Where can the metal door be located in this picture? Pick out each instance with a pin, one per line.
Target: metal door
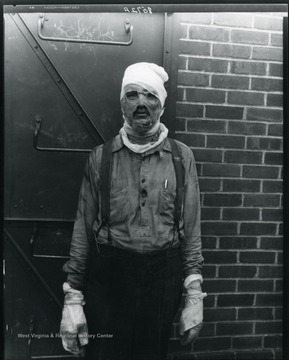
(63, 74)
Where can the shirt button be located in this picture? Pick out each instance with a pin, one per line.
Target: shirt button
(144, 193)
(143, 204)
(143, 180)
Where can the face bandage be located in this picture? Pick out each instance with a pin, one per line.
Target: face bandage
(147, 75)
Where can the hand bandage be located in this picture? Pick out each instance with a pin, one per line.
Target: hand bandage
(73, 327)
(192, 314)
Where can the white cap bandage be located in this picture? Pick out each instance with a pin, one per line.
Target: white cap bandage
(146, 74)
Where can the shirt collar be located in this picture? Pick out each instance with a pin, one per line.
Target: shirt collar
(118, 144)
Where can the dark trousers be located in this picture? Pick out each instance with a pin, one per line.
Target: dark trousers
(131, 302)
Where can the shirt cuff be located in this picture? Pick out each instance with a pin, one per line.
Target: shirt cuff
(192, 277)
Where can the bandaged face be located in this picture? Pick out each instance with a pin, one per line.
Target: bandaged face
(141, 107)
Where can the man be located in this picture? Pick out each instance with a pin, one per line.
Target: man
(147, 243)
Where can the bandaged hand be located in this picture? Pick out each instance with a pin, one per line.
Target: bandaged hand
(191, 319)
(73, 327)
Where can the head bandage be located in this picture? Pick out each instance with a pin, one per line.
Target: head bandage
(146, 75)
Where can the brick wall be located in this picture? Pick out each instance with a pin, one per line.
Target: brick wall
(229, 111)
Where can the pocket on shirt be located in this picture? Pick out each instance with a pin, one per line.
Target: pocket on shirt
(119, 206)
(166, 206)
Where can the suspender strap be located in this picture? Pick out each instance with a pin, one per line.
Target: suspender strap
(179, 170)
(106, 161)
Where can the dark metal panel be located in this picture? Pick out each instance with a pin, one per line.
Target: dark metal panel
(94, 72)
(45, 185)
(29, 307)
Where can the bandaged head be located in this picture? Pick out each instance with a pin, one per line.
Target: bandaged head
(143, 95)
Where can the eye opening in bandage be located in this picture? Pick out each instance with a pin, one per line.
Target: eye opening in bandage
(133, 96)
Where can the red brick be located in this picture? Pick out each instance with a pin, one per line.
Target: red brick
(267, 53)
(274, 186)
(270, 272)
(233, 300)
(220, 257)
(220, 314)
(181, 94)
(279, 285)
(209, 242)
(238, 185)
(220, 141)
(233, 19)
(280, 258)
(239, 242)
(257, 257)
(268, 23)
(231, 51)
(261, 200)
(209, 302)
(249, 37)
(269, 327)
(181, 124)
(219, 286)
(237, 271)
(277, 40)
(255, 286)
(191, 139)
(258, 229)
(275, 130)
(274, 158)
(255, 313)
(234, 328)
(224, 112)
(208, 65)
(219, 228)
(224, 170)
(222, 199)
(254, 354)
(276, 70)
(230, 82)
(207, 125)
(183, 31)
(208, 33)
(240, 214)
(275, 100)
(207, 155)
(265, 84)
(196, 18)
(246, 128)
(189, 47)
(189, 110)
(209, 271)
(246, 342)
(265, 172)
(210, 213)
(243, 157)
(264, 143)
(274, 341)
(274, 243)
(272, 214)
(192, 79)
(280, 232)
(209, 184)
(278, 313)
(271, 115)
(182, 62)
(246, 98)
(248, 68)
(206, 95)
(215, 344)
